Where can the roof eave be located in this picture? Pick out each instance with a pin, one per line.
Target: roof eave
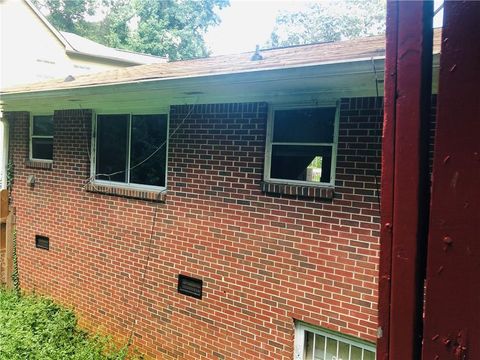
(110, 58)
(366, 60)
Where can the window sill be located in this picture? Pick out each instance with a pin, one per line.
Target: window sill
(35, 164)
(320, 192)
(150, 195)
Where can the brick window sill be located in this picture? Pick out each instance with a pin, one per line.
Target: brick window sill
(157, 196)
(318, 192)
(33, 164)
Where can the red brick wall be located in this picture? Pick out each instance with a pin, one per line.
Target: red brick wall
(264, 259)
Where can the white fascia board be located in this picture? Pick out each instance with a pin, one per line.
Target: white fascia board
(332, 68)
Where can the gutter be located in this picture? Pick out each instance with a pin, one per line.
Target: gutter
(73, 51)
(207, 75)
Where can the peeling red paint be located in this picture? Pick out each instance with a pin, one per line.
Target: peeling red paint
(404, 203)
(453, 299)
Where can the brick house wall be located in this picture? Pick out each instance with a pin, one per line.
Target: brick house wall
(265, 258)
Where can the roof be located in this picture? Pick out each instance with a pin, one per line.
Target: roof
(83, 46)
(75, 44)
(362, 49)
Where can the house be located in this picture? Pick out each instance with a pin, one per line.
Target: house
(33, 50)
(218, 208)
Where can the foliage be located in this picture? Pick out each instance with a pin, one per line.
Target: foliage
(15, 277)
(10, 173)
(68, 15)
(36, 328)
(169, 27)
(329, 21)
(175, 27)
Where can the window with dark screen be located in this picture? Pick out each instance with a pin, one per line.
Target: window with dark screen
(132, 149)
(41, 137)
(301, 145)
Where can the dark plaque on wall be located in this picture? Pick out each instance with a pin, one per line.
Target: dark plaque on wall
(190, 286)
(42, 242)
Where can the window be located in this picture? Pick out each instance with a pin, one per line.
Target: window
(41, 137)
(301, 146)
(315, 344)
(131, 149)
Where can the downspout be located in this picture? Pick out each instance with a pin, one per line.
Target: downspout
(4, 132)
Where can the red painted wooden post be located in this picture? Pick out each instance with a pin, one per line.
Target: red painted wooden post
(388, 159)
(452, 316)
(404, 178)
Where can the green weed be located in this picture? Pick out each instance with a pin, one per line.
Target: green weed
(35, 328)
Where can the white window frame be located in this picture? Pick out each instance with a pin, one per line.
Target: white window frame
(301, 327)
(31, 136)
(269, 145)
(133, 186)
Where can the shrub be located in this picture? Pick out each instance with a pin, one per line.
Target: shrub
(33, 327)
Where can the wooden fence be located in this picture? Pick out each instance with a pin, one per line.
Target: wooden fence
(6, 241)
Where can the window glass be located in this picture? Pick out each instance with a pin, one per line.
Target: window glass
(331, 351)
(42, 126)
(316, 344)
(308, 350)
(111, 154)
(313, 125)
(42, 137)
(301, 163)
(319, 347)
(42, 148)
(343, 351)
(148, 149)
(356, 352)
(301, 145)
(132, 149)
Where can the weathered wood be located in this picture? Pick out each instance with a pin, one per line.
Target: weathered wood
(404, 178)
(3, 205)
(9, 251)
(452, 315)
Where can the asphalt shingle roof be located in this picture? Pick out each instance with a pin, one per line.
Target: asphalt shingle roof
(281, 58)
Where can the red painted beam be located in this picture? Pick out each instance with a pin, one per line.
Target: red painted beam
(404, 203)
(388, 161)
(452, 312)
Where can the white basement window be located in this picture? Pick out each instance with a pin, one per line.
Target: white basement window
(301, 146)
(130, 150)
(41, 138)
(312, 343)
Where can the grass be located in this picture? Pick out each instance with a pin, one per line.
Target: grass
(32, 327)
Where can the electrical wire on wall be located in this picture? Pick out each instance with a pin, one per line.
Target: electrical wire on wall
(150, 241)
(143, 278)
(148, 157)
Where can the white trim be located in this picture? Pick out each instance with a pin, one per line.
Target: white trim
(31, 136)
(335, 144)
(365, 62)
(299, 342)
(4, 160)
(269, 144)
(127, 184)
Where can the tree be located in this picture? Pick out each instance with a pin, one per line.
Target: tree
(175, 27)
(68, 15)
(169, 27)
(329, 21)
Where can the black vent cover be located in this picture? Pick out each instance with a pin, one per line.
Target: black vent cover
(42, 242)
(190, 286)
